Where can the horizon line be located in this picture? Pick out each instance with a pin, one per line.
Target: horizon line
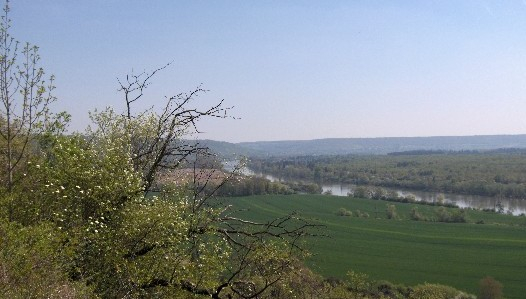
(380, 137)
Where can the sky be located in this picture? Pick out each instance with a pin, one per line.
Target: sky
(294, 70)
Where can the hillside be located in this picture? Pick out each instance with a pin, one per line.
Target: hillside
(379, 146)
(227, 150)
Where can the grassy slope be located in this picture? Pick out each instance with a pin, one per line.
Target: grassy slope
(404, 251)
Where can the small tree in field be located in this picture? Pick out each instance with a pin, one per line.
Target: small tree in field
(391, 212)
(415, 215)
(489, 288)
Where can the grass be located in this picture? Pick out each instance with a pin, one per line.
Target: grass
(405, 251)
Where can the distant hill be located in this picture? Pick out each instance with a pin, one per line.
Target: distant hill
(227, 150)
(379, 146)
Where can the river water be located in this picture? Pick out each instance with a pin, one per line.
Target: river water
(513, 206)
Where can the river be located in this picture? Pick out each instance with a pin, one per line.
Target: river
(513, 206)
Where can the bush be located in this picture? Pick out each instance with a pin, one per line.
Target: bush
(410, 198)
(415, 215)
(437, 291)
(333, 281)
(344, 212)
(358, 281)
(32, 263)
(442, 215)
(361, 192)
(391, 212)
(386, 288)
(489, 288)
(458, 216)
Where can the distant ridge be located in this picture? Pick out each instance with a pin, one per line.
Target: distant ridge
(378, 146)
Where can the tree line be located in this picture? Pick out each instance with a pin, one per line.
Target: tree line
(501, 174)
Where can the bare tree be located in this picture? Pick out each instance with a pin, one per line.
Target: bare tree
(263, 253)
(163, 148)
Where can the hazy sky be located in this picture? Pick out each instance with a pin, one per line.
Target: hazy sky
(295, 69)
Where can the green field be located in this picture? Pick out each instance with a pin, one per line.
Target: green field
(405, 251)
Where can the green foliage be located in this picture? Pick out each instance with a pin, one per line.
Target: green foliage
(77, 182)
(415, 215)
(180, 243)
(32, 261)
(26, 119)
(378, 193)
(360, 214)
(358, 281)
(490, 174)
(436, 291)
(252, 185)
(300, 187)
(135, 137)
(154, 246)
(344, 212)
(444, 215)
(104, 232)
(361, 192)
(390, 290)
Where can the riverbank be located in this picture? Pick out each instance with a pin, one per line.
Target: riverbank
(511, 206)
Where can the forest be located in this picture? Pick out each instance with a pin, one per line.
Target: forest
(500, 173)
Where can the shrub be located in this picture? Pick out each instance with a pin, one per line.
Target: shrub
(333, 281)
(415, 215)
(458, 216)
(32, 263)
(386, 288)
(437, 291)
(410, 198)
(358, 281)
(378, 193)
(391, 212)
(361, 192)
(442, 215)
(344, 212)
(489, 288)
